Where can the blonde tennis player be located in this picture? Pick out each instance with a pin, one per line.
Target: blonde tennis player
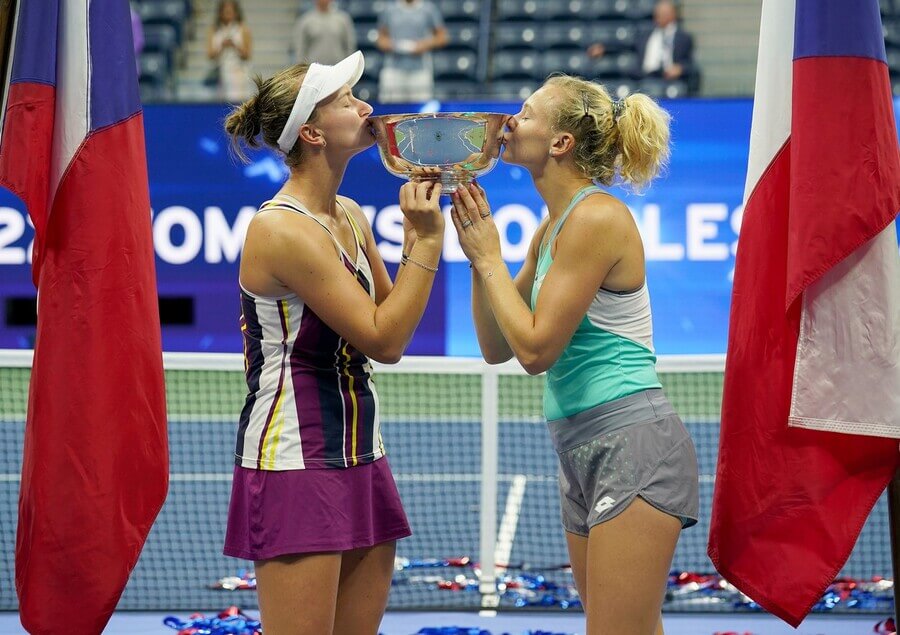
(579, 310)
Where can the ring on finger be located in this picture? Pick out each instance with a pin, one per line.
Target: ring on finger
(466, 223)
(485, 215)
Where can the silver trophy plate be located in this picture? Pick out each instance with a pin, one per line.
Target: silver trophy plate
(452, 147)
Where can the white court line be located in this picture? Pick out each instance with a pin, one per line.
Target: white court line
(506, 535)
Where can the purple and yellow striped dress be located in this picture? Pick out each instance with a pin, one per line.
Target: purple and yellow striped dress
(311, 402)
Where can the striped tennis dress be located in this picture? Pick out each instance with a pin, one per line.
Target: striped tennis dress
(311, 402)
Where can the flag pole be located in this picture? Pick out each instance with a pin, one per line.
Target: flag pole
(8, 15)
(894, 520)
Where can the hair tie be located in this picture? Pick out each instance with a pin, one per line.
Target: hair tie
(618, 107)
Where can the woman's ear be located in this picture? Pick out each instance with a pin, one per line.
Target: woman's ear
(561, 143)
(312, 136)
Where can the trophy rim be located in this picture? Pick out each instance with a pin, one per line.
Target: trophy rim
(467, 114)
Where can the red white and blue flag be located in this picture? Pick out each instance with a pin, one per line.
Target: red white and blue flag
(811, 405)
(95, 464)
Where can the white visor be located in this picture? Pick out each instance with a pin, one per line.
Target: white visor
(321, 82)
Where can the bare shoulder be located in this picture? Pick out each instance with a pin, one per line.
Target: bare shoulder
(600, 215)
(284, 234)
(600, 225)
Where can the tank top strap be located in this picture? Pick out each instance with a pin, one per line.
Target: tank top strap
(579, 196)
(357, 230)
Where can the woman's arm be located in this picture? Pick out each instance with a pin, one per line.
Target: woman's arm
(297, 253)
(591, 243)
(245, 46)
(212, 48)
(494, 347)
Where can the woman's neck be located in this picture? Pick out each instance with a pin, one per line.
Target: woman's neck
(315, 184)
(557, 189)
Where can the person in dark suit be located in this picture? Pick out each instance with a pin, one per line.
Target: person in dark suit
(666, 51)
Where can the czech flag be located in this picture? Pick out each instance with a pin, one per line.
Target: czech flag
(811, 405)
(95, 465)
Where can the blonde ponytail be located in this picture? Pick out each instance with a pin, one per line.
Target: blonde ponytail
(644, 140)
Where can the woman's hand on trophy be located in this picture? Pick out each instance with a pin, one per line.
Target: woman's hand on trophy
(420, 203)
(478, 235)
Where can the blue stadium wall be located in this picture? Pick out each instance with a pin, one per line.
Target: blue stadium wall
(203, 199)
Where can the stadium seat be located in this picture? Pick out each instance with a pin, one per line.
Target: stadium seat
(513, 90)
(663, 88)
(892, 32)
(450, 90)
(366, 90)
(366, 36)
(150, 92)
(572, 62)
(614, 65)
(516, 35)
(518, 10)
(893, 61)
(170, 12)
(459, 10)
(636, 9)
(454, 65)
(585, 10)
(154, 68)
(365, 11)
(374, 62)
(188, 5)
(517, 65)
(161, 38)
(565, 35)
(609, 9)
(463, 36)
(619, 88)
(615, 36)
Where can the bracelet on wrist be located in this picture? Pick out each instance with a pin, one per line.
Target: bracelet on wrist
(404, 258)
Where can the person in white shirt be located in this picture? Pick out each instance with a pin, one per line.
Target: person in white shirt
(229, 44)
(408, 30)
(323, 34)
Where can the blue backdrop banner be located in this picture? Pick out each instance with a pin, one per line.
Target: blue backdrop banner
(203, 200)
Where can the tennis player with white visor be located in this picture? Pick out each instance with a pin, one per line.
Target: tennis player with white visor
(313, 501)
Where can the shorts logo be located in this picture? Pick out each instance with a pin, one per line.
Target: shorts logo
(605, 503)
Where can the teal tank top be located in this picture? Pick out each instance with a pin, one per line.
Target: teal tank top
(610, 354)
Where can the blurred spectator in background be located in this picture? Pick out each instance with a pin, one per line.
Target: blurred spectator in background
(667, 51)
(229, 44)
(137, 34)
(323, 34)
(407, 31)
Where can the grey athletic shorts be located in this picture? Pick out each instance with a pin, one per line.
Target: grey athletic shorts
(633, 446)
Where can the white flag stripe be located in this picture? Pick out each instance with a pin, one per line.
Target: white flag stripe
(847, 373)
(772, 102)
(72, 81)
